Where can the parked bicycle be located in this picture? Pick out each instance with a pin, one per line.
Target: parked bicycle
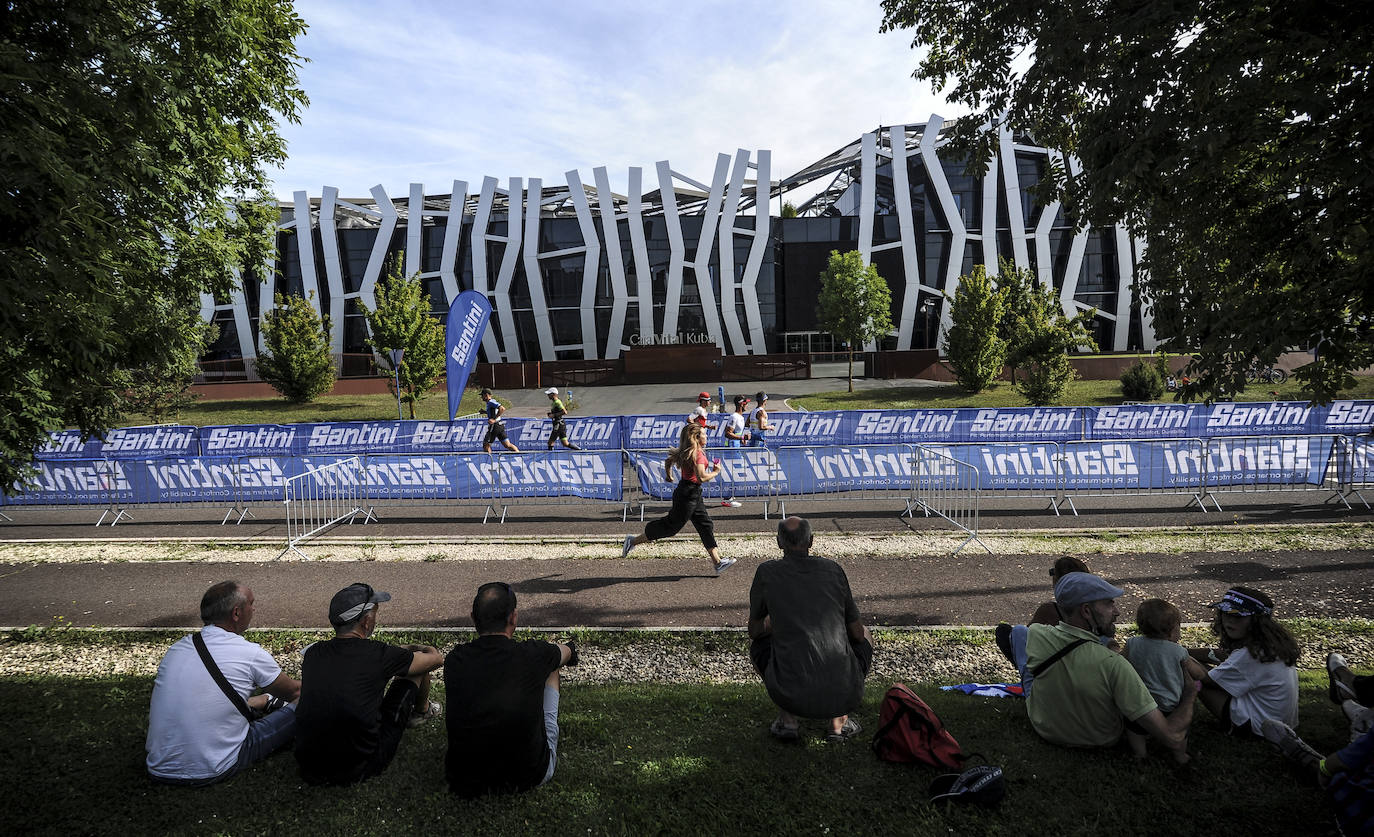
(1265, 374)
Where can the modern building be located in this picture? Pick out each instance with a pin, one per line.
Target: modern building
(695, 261)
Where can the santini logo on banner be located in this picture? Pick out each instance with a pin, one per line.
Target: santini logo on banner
(467, 320)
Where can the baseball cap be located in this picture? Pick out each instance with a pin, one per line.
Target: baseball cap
(1074, 589)
(705, 395)
(761, 397)
(353, 601)
(551, 391)
(1243, 601)
(484, 391)
(741, 400)
(983, 785)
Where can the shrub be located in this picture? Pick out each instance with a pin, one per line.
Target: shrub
(1142, 382)
(296, 359)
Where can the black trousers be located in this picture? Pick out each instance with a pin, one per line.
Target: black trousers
(687, 505)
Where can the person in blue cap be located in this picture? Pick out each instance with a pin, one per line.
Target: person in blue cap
(1085, 694)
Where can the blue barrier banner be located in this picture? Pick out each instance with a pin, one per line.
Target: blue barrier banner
(1347, 418)
(1360, 468)
(1278, 418)
(251, 439)
(464, 326)
(1296, 461)
(1009, 467)
(1135, 465)
(447, 436)
(592, 433)
(882, 427)
(60, 482)
(1020, 424)
(595, 475)
(1143, 421)
(125, 443)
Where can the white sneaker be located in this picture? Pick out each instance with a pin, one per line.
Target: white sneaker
(629, 545)
(725, 564)
(732, 503)
(1287, 741)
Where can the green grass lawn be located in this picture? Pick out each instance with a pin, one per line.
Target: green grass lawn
(1081, 394)
(654, 759)
(330, 408)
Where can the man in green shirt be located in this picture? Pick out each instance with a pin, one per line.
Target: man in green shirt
(1086, 695)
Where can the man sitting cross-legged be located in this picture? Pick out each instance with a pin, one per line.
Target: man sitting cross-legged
(808, 644)
(1086, 695)
(197, 734)
(349, 722)
(502, 702)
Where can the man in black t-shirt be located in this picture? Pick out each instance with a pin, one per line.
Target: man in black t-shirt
(503, 702)
(348, 723)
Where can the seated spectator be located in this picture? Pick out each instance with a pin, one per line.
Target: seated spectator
(349, 723)
(1256, 675)
(808, 645)
(1011, 639)
(502, 702)
(197, 733)
(1086, 695)
(1161, 662)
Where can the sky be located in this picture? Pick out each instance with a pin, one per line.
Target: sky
(425, 91)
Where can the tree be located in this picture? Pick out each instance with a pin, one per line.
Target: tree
(789, 210)
(975, 351)
(134, 138)
(296, 360)
(1040, 336)
(855, 302)
(402, 320)
(159, 388)
(1229, 135)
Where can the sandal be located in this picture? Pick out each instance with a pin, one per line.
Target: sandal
(782, 732)
(429, 713)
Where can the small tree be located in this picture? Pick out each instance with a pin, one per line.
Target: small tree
(788, 210)
(158, 388)
(402, 320)
(1142, 382)
(975, 351)
(296, 361)
(1041, 337)
(855, 303)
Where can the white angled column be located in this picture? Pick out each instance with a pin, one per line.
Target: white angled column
(701, 266)
(610, 233)
(534, 274)
(481, 277)
(453, 232)
(1015, 217)
(958, 235)
(591, 262)
(729, 311)
(749, 282)
(911, 264)
(505, 275)
(644, 287)
(677, 250)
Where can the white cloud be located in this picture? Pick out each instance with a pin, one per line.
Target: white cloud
(431, 92)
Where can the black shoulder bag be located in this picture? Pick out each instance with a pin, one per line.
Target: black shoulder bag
(1043, 667)
(234, 697)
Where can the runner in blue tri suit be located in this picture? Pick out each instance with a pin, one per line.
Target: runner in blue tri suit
(759, 420)
(496, 429)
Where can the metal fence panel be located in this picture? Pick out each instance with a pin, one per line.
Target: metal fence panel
(948, 488)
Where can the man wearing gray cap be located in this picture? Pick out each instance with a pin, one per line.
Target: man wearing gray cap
(1086, 695)
(348, 723)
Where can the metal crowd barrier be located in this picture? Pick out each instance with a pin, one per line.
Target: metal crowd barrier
(410, 481)
(1131, 464)
(846, 473)
(944, 487)
(320, 499)
(1354, 468)
(1256, 464)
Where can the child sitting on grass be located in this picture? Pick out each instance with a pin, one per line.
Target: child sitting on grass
(1169, 673)
(1256, 676)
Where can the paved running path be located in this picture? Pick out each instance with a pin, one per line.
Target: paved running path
(969, 589)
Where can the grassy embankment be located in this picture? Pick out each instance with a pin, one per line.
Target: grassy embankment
(648, 758)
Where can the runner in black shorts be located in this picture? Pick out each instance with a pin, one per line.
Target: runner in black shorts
(496, 429)
(556, 412)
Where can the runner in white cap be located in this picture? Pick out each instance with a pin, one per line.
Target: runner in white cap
(556, 412)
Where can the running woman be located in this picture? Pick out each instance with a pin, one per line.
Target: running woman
(759, 419)
(689, 457)
(496, 428)
(556, 412)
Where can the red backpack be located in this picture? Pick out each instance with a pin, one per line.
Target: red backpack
(910, 731)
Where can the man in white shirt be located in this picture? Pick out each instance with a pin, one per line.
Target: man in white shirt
(198, 735)
(701, 411)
